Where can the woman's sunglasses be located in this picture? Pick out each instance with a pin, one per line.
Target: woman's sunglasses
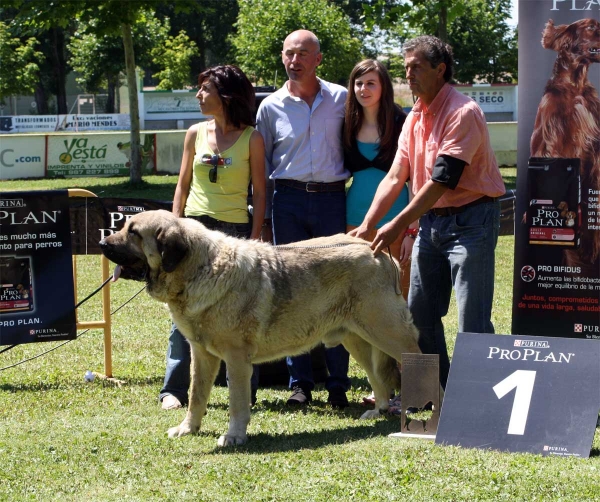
(212, 174)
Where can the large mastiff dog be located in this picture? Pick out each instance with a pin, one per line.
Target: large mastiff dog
(247, 302)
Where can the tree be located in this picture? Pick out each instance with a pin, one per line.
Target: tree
(210, 31)
(99, 59)
(109, 16)
(174, 57)
(19, 68)
(484, 46)
(485, 50)
(263, 25)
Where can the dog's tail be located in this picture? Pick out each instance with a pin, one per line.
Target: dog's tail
(387, 369)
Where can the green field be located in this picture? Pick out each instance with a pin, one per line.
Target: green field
(64, 439)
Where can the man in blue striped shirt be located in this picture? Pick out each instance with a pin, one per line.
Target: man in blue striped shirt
(301, 124)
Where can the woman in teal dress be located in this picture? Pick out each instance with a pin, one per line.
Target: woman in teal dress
(372, 125)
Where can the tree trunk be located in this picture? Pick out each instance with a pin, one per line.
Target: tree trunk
(442, 29)
(41, 99)
(113, 81)
(135, 170)
(60, 69)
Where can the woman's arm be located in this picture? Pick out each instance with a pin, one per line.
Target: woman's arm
(185, 172)
(259, 192)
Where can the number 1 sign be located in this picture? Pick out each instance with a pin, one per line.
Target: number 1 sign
(522, 394)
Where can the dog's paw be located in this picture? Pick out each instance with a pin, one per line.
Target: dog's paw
(230, 440)
(367, 415)
(181, 430)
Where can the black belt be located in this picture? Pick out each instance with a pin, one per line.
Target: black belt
(312, 186)
(449, 211)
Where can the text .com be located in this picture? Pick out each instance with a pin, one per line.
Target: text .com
(8, 159)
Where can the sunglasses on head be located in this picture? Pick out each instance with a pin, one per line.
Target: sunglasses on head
(212, 174)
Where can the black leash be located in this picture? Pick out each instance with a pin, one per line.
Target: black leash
(78, 336)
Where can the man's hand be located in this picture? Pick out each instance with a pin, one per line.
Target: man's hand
(360, 232)
(386, 235)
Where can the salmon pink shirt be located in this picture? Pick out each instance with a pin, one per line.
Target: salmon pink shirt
(453, 125)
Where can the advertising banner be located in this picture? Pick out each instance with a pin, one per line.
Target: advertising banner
(94, 218)
(557, 232)
(22, 157)
(497, 98)
(51, 123)
(97, 155)
(36, 273)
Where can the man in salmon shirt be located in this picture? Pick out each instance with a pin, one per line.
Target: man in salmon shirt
(444, 149)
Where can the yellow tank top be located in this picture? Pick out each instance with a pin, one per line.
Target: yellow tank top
(227, 199)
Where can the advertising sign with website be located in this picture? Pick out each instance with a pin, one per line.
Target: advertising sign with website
(22, 157)
(36, 272)
(97, 155)
(556, 289)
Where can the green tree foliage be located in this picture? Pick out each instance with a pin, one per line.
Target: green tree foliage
(485, 47)
(174, 57)
(209, 29)
(99, 57)
(18, 64)
(263, 25)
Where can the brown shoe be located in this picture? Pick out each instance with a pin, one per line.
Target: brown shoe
(170, 402)
(299, 397)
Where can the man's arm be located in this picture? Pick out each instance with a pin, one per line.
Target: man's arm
(387, 192)
(263, 127)
(421, 203)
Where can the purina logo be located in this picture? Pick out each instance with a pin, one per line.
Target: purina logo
(130, 209)
(534, 344)
(12, 203)
(578, 328)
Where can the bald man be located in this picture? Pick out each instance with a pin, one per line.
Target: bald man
(301, 124)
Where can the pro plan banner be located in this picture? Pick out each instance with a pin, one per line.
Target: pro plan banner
(36, 274)
(93, 219)
(557, 223)
(97, 155)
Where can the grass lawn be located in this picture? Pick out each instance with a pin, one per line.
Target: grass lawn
(64, 439)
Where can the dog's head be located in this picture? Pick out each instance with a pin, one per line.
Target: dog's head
(579, 40)
(150, 243)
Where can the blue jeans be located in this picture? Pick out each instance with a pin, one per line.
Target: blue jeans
(299, 215)
(453, 252)
(177, 375)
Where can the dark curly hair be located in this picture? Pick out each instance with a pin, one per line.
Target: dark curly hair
(236, 93)
(433, 50)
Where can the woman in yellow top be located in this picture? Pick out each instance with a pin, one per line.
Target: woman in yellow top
(220, 158)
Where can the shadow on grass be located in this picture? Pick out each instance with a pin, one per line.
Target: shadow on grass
(262, 443)
(70, 384)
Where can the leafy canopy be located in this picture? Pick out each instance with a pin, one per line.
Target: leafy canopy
(263, 25)
(19, 67)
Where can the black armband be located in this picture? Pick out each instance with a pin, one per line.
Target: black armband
(448, 170)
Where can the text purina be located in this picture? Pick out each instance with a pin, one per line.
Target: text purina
(535, 356)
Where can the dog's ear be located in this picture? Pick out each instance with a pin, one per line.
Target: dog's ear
(556, 37)
(171, 247)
